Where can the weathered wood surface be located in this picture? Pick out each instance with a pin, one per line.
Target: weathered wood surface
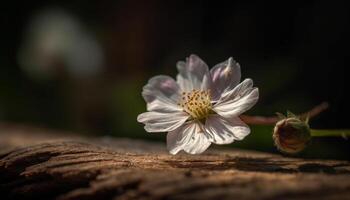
(41, 164)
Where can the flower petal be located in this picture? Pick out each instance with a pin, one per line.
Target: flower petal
(240, 99)
(162, 122)
(225, 76)
(193, 74)
(225, 131)
(190, 137)
(161, 93)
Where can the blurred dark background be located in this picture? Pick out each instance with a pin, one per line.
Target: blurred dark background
(81, 65)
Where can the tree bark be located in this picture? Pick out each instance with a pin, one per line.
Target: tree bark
(44, 164)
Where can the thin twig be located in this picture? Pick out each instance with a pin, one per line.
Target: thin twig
(315, 111)
(271, 120)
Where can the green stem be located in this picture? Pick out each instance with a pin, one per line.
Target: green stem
(330, 133)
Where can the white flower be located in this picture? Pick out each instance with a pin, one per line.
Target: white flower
(199, 108)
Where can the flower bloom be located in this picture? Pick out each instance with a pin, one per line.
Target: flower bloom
(199, 108)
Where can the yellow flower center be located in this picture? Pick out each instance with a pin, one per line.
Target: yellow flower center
(196, 103)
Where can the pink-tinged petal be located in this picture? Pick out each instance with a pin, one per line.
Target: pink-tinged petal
(225, 131)
(161, 94)
(193, 74)
(225, 76)
(162, 122)
(190, 137)
(163, 106)
(237, 101)
(183, 82)
(237, 91)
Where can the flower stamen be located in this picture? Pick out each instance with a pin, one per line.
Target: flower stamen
(196, 103)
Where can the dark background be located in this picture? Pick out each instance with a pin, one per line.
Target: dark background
(296, 53)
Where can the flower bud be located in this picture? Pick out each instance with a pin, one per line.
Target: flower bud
(291, 134)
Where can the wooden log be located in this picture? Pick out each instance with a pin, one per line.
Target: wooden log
(43, 164)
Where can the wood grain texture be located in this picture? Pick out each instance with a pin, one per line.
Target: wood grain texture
(42, 164)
